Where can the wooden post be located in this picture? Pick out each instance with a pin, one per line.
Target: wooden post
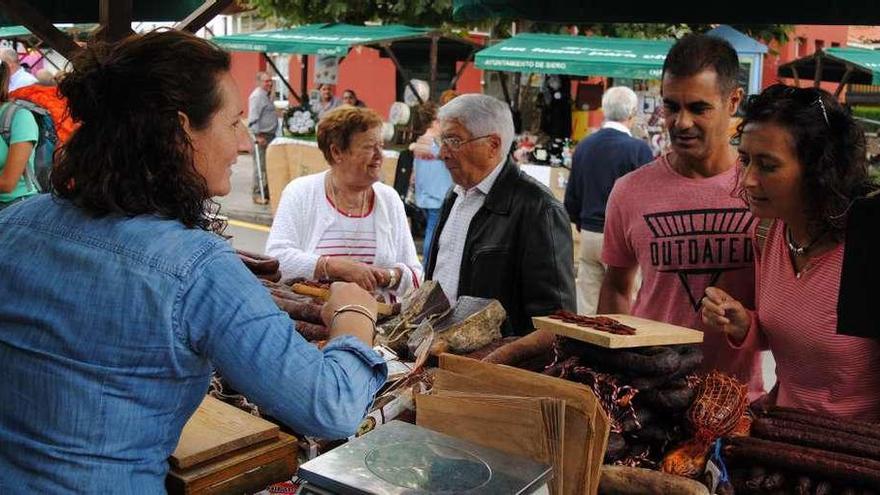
(24, 13)
(202, 15)
(280, 75)
(817, 75)
(794, 72)
(843, 80)
(403, 72)
(433, 60)
(304, 78)
(115, 20)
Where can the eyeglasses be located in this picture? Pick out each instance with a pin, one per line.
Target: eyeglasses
(454, 143)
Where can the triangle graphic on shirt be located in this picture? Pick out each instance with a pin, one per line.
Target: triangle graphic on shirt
(695, 284)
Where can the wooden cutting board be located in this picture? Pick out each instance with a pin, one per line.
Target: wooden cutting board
(217, 428)
(648, 332)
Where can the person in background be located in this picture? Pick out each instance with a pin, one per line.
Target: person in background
(18, 77)
(802, 165)
(16, 150)
(501, 234)
(675, 219)
(45, 78)
(327, 100)
(432, 179)
(350, 98)
(125, 300)
(344, 224)
(263, 123)
(598, 161)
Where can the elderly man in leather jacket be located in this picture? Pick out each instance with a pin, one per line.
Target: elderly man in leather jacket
(502, 235)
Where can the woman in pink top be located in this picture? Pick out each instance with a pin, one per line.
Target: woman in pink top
(802, 165)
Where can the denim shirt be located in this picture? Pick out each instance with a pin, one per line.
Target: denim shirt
(109, 328)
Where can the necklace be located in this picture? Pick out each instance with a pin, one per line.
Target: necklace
(796, 250)
(359, 217)
(339, 205)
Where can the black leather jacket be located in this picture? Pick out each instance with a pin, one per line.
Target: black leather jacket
(518, 250)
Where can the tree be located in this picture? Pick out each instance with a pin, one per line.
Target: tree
(412, 12)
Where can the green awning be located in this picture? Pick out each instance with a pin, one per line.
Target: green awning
(576, 56)
(86, 11)
(321, 39)
(864, 65)
(10, 32)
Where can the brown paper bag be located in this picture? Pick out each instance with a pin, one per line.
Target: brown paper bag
(586, 424)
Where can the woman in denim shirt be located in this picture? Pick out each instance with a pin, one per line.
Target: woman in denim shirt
(118, 300)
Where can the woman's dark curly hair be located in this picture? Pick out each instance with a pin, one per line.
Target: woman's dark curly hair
(130, 154)
(830, 147)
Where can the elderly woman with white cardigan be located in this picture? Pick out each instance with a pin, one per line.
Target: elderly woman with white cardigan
(343, 224)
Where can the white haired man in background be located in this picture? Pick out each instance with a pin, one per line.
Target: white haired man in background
(18, 76)
(501, 234)
(598, 161)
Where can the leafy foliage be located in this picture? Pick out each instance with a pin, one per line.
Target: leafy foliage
(412, 12)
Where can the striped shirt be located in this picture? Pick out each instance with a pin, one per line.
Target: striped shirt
(452, 239)
(817, 368)
(350, 236)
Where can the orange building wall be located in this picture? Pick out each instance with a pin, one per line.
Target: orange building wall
(793, 49)
(244, 67)
(471, 80)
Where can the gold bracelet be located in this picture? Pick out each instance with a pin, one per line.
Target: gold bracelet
(355, 308)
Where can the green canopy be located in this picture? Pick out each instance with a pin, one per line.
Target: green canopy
(862, 64)
(86, 11)
(576, 56)
(9, 32)
(322, 39)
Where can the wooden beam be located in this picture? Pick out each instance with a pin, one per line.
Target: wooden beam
(435, 38)
(203, 15)
(25, 14)
(797, 78)
(283, 79)
(304, 78)
(403, 72)
(843, 80)
(115, 20)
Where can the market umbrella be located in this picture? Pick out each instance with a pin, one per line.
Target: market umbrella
(86, 11)
(576, 55)
(322, 39)
(833, 64)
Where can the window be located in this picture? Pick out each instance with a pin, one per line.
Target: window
(820, 44)
(835, 44)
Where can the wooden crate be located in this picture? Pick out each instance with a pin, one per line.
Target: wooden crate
(246, 470)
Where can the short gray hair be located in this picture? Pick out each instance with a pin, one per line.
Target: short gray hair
(481, 115)
(619, 103)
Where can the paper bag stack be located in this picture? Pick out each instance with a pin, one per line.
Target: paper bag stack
(543, 418)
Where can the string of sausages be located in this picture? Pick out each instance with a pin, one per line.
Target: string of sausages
(601, 323)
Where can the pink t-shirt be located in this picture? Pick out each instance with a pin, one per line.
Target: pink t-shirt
(685, 234)
(817, 368)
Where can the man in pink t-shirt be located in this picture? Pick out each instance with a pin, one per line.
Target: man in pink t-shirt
(676, 219)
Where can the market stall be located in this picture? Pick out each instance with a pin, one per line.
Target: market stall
(631, 62)
(841, 65)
